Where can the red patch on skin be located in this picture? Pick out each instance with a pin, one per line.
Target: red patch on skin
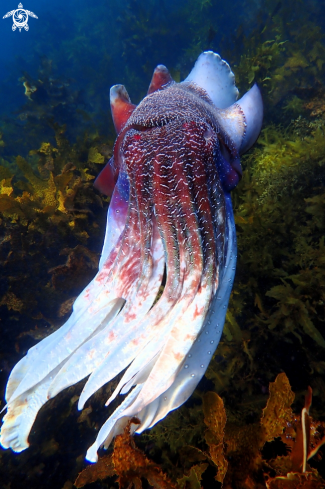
(130, 317)
(186, 125)
(106, 180)
(189, 337)
(100, 278)
(178, 357)
(128, 276)
(111, 336)
(198, 312)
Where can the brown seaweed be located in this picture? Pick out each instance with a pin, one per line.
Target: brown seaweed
(129, 464)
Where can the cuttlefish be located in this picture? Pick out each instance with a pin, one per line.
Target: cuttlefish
(157, 306)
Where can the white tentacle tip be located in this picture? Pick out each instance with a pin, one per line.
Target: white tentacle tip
(92, 455)
(13, 440)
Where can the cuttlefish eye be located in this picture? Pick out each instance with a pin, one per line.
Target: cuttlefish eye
(208, 134)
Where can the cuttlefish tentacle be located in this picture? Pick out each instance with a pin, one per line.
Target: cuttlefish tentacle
(200, 271)
(195, 364)
(197, 360)
(141, 282)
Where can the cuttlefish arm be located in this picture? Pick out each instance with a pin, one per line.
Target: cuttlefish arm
(190, 371)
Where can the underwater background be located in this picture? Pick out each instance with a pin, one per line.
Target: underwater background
(56, 133)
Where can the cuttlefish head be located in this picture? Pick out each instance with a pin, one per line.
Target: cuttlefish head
(240, 119)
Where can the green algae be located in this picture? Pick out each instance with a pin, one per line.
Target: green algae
(49, 205)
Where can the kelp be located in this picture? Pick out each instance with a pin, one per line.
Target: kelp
(284, 172)
(281, 48)
(215, 418)
(193, 479)
(259, 63)
(48, 210)
(128, 463)
(238, 453)
(242, 446)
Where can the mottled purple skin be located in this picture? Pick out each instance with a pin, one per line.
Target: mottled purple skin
(175, 162)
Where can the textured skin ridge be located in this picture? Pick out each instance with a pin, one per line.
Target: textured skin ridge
(183, 100)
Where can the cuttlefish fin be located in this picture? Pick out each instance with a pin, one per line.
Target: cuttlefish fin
(160, 78)
(214, 75)
(252, 106)
(121, 106)
(116, 220)
(106, 180)
(122, 109)
(242, 121)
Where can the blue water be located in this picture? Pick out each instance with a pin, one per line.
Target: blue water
(94, 46)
